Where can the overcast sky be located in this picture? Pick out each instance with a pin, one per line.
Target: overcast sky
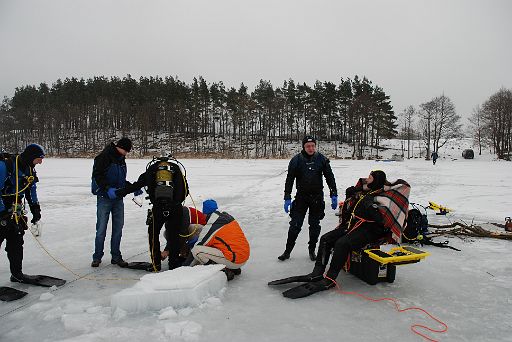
(414, 50)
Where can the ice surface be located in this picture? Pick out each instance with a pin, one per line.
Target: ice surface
(471, 290)
(179, 288)
(46, 296)
(186, 330)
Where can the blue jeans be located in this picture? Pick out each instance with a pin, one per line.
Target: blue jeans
(104, 207)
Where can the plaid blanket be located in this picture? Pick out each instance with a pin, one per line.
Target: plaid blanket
(393, 205)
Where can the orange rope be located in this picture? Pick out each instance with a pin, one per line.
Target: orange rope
(414, 327)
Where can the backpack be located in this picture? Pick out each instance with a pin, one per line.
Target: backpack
(416, 230)
(417, 225)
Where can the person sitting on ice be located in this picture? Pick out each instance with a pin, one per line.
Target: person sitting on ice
(373, 209)
(221, 241)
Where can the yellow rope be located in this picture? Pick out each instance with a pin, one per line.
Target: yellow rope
(357, 203)
(67, 268)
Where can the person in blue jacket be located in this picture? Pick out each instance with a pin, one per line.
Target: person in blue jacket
(18, 182)
(307, 168)
(108, 175)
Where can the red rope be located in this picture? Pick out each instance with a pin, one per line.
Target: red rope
(414, 327)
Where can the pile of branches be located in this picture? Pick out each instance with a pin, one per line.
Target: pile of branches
(462, 229)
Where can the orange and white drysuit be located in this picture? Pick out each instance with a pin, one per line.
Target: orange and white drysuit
(221, 241)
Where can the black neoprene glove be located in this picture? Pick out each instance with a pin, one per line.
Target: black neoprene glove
(35, 209)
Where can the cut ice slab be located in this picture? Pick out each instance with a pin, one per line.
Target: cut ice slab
(181, 287)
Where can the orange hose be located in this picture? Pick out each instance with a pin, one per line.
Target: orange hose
(414, 327)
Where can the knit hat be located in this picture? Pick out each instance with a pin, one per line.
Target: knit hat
(32, 152)
(379, 179)
(125, 144)
(209, 206)
(308, 138)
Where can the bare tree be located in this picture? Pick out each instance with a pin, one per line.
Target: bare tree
(446, 122)
(440, 122)
(498, 118)
(427, 113)
(476, 127)
(408, 118)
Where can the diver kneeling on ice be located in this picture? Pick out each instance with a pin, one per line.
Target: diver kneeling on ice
(167, 187)
(373, 209)
(220, 241)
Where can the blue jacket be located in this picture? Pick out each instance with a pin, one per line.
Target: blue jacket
(108, 171)
(8, 183)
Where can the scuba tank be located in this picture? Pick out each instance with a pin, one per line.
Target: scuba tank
(164, 189)
(167, 185)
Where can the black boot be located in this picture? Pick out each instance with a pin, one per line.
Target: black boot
(289, 247)
(174, 264)
(317, 274)
(284, 256)
(290, 243)
(230, 275)
(312, 254)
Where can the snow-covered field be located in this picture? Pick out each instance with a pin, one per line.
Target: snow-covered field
(471, 290)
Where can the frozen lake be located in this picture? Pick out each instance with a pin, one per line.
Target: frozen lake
(471, 290)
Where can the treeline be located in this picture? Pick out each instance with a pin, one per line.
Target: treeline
(77, 116)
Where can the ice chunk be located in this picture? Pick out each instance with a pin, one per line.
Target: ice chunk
(119, 314)
(167, 313)
(178, 288)
(186, 311)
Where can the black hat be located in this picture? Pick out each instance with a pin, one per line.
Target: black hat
(32, 152)
(308, 138)
(125, 144)
(379, 179)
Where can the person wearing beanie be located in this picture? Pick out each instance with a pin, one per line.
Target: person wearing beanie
(125, 144)
(376, 209)
(108, 175)
(14, 188)
(221, 241)
(307, 168)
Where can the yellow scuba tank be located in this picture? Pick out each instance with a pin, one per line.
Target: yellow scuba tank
(164, 189)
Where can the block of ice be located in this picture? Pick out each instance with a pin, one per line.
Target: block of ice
(178, 288)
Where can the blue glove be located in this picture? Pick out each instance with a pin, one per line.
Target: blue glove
(287, 205)
(111, 193)
(138, 192)
(334, 202)
(192, 242)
